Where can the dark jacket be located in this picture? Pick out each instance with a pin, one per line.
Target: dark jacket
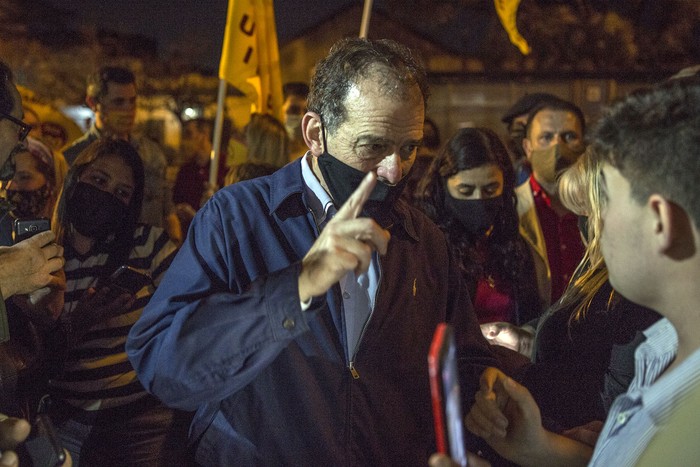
(225, 335)
(581, 366)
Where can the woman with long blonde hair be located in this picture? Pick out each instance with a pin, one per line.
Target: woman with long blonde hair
(583, 353)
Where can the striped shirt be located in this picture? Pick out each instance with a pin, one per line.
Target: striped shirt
(97, 374)
(635, 417)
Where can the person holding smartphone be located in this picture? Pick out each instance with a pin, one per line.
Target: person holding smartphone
(27, 268)
(100, 410)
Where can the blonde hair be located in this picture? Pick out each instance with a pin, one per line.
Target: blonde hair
(580, 191)
(267, 140)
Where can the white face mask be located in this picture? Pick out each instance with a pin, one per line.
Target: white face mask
(292, 123)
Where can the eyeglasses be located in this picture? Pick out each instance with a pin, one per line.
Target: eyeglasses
(24, 129)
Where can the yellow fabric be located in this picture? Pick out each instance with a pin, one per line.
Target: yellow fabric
(507, 12)
(250, 56)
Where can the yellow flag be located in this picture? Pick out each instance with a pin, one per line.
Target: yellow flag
(507, 11)
(250, 59)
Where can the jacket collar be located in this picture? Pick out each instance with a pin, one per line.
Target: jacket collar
(287, 186)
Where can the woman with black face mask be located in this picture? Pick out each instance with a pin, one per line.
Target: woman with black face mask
(31, 193)
(33, 190)
(102, 413)
(468, 192)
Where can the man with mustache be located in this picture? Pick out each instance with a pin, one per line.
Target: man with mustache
(553, 141)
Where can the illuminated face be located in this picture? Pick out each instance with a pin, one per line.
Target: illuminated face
(115, 112)
(550, 127)
(111, 174)
(483, 182)
(381, 132)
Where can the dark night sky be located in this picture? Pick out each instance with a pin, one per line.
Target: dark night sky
(193, 27)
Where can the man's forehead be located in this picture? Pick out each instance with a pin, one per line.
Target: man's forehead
(556, 117)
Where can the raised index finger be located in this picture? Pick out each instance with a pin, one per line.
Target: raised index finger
(354, 204)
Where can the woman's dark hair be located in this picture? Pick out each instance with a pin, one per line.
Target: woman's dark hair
(470, 148)
(96, 150)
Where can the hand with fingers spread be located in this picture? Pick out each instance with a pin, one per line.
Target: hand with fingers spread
(345, 244)
(506, 416)
(28, 265)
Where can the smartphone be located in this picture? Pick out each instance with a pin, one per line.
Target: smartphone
(446, 395)
(43, 445)
(127, 280)
(26, 227)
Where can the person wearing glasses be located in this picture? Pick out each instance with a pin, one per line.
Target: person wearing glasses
(28, 267)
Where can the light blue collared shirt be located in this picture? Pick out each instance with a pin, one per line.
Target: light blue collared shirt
(646, 408)
(359, 292)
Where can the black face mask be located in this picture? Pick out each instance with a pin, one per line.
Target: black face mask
(342, 180)
(549, 163)
(477, 216)
(95, 213)
(29, 203)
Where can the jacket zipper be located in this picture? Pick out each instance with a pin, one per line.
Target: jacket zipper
(351, 364)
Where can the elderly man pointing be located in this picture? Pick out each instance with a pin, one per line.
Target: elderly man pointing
(297, 317)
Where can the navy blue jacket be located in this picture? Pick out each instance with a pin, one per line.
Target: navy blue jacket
(225, 335)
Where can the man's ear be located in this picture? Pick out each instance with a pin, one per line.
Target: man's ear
(311, 129)
(527, 148)
(673, 228)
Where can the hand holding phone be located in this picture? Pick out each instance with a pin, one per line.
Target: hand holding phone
(446, 396)
(43, 445)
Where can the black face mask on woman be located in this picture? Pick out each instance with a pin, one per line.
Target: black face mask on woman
(95, 213)
(477, 216)
(29, 203)
(342, 180)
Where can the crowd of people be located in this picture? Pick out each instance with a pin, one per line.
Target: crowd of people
(284, 314)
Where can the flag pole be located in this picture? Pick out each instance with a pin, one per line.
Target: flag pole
(216, 144)
(366, 14)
